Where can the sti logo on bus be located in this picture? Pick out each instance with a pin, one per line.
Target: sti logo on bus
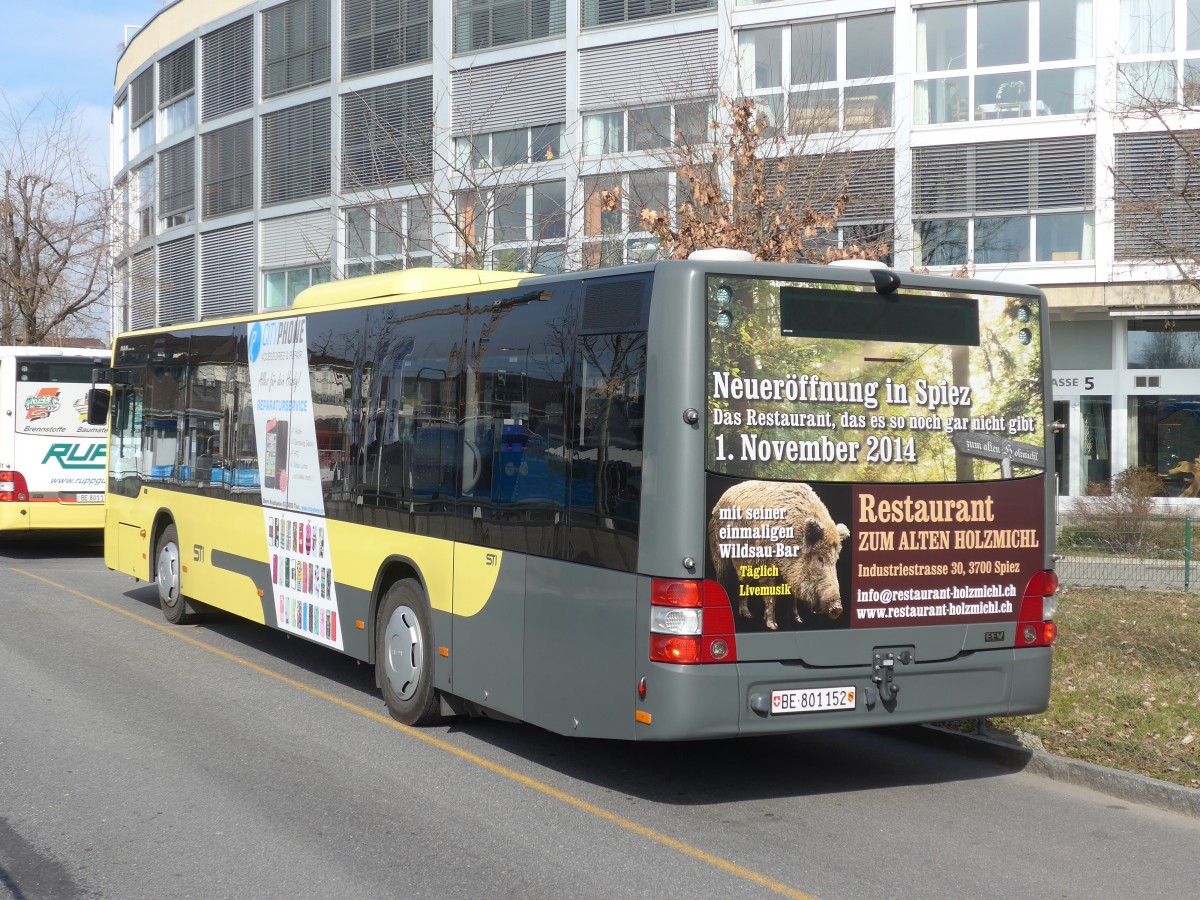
(269, 334)
(76, 456)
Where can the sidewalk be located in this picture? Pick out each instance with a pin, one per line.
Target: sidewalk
(1007, 751)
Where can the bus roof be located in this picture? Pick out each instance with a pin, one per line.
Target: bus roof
(422, 281)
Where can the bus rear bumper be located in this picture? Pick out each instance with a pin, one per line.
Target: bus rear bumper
(50, 515)
(734, 700)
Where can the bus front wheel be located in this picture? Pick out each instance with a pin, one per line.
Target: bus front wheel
(176, 607)
(404, 655)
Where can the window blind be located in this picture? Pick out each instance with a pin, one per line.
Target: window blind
(295, 152)
(177, 75)
(177, 179)
(177, 281)
(387, 134)
(295, 46)
(227, 58)
(383, 34)
(1004, 177)
(227, 273)
(228, 167)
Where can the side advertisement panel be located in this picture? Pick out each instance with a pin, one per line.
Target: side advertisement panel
(302, 583)
(875, 460)
(793, 556)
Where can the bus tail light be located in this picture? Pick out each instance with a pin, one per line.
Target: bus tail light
(13, 488)
(1035, 625)
(691, 622)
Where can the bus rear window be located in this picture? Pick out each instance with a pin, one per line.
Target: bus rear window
(57, 371)
(898, 318)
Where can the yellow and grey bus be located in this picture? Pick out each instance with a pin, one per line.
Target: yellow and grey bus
(52, 471)
(688, 499)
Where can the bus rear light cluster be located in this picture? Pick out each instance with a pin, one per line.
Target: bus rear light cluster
(691, 622)
(1035, 625)
(13, 488)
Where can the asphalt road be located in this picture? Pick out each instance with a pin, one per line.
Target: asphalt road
(141, 760)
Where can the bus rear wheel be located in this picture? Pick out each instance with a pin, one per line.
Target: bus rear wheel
(404, 655)
(176, 607)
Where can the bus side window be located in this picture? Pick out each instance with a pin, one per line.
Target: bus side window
(606, 460)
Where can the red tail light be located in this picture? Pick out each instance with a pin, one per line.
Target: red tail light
(13, 488)
(691, 622)
(1035, 625)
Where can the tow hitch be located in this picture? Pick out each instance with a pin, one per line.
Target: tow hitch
(883, 667)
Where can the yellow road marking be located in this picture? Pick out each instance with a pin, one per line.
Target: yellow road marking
(649, 833)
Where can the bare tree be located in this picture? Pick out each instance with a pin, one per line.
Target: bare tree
(55, 223)
(748, 188)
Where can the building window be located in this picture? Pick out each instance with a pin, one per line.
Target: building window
(1155, 196)
(821, 76)
(603, 133)
(1146, 26)
(1004, 202)
(283, 286)
(646, 128)
(141, 202)
(982, 65)
(1163, 343)
(387, 134)
(383, 35)
(177, 89)
(1065, 30)
(228, 167)
(480, 24)
(295, 46)
(512, 147)
(1168, 433)
(1095, 448)
(614, 12)
(295, 154)
(141, 112)
(121, 131)
(227, 56)
(177, 184)
(519, 227)
(613, 229)
(385, 237)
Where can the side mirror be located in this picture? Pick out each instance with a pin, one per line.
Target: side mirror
(97, 406)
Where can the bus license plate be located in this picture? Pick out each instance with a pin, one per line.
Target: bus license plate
(812, 700)
(89, 498)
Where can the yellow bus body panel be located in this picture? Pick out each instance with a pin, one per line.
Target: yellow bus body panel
(50, 515)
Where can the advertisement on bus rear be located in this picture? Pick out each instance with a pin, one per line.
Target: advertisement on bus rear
(874, 460)
(55, 447)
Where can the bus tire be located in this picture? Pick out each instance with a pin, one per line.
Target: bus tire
(177, 609)
(404, 655)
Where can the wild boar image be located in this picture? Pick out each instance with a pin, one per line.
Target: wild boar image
(772, 541)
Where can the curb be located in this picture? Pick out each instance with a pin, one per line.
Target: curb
(1113, 782)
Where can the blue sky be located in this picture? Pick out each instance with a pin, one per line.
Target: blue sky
(67, 50)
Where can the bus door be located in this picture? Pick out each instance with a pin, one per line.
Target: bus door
(512, 502)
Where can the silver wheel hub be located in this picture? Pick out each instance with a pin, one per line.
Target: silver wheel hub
(168, 575)
(403, 647)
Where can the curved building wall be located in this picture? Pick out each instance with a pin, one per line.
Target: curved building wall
(262, 147)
